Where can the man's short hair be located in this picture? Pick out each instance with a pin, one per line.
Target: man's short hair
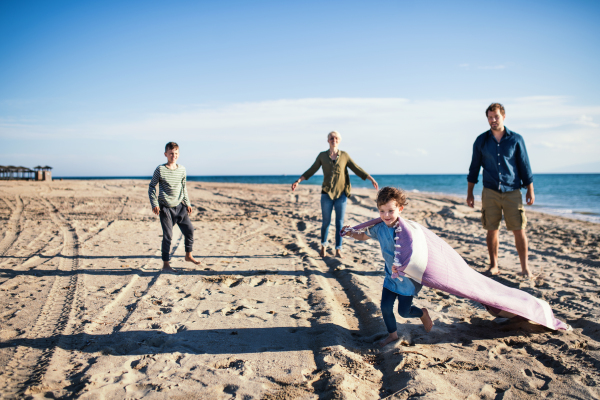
(495, 106)
(171, 146)
(388, 193)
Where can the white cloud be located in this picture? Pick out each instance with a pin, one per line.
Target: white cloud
(587, 121)
(383, 135)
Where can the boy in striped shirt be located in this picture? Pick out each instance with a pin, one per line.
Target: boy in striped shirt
(172, 204)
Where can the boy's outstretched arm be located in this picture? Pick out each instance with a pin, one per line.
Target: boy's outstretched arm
(355, 235)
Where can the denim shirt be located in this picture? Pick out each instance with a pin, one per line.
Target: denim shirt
(505, 163)
(385, 236)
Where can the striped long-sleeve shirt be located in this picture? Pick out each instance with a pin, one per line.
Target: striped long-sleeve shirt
(171, 185)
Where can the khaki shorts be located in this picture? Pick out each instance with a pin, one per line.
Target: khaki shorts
(493, 204)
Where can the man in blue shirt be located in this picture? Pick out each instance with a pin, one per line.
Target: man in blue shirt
(506, 169)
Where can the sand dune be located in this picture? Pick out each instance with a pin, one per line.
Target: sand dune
(87, 314)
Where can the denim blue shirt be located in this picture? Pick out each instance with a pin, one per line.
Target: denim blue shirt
(505, 163)
(385, 236)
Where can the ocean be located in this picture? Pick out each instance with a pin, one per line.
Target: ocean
(569, 195)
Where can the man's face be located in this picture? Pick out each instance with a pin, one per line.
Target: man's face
(496, 120)
(389, 212)
(172, 155)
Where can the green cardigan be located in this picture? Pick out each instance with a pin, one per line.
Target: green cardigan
(335, 175)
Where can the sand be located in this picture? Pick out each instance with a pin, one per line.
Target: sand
(86, 312)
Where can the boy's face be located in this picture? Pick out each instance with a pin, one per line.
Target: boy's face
(172, 155)
(389, 212)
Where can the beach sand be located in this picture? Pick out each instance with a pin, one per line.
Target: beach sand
(86, 312)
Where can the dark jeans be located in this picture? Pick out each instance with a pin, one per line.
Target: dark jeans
(327, 206)
(175, 215)
(405, 308)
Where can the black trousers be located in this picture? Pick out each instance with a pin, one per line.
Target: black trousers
(169, 217)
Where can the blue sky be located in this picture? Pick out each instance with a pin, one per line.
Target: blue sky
(96, 88)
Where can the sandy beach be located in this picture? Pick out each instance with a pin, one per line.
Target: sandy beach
(86, 312)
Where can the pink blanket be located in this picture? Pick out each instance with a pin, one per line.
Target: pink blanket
(435, 264)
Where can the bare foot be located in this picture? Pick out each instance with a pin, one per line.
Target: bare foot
(492, 271)
(323, 250)
(338, 253)
(392, 337)
(190, 258)
(426, 320)
(167, 267)
(526, 274)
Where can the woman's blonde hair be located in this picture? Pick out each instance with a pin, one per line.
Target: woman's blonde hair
(334, 133)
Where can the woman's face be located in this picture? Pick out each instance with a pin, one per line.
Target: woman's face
(333, 141)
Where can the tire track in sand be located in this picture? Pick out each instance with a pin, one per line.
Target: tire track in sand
(31, 361)
(14, 227)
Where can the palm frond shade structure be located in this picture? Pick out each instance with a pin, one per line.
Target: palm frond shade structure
(10, 172)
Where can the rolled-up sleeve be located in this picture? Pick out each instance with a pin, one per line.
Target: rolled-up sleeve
(372, 232)
(523, 164)
(475, 167)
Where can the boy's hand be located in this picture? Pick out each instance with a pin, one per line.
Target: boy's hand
(156, 210)
(344, 231)
(189, 209)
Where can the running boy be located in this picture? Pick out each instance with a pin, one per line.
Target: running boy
(172, 204)
(391, 202)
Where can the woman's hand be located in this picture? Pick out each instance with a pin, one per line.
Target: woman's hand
(295, 184)
(374, 182)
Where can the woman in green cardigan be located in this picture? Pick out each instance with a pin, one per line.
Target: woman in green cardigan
(336, 187)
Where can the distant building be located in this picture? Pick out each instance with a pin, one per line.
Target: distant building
(43, 173)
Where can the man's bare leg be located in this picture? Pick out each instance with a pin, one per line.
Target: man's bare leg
(521, 244)
(167, 267)
(190, 258)
(338, 253)
(426, 320)
(392, 337)
(493, 244)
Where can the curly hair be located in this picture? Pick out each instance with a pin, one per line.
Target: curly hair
(388, 193)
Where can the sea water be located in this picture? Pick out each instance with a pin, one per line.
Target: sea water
(569, 195)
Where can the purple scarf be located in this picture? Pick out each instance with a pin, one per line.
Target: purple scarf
(433, 263)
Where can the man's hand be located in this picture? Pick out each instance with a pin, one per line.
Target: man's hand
(470, 200)
(470, 197)
(156, 210)
(375, 185)
(189, 209)
(530, 196)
